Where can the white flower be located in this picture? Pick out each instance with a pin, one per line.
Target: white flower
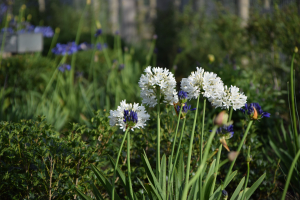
(193, 84)
(233, 98)
(213, 88)
(158, 77)
(117, 116)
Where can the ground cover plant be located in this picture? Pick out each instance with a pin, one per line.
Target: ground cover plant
(59, 109)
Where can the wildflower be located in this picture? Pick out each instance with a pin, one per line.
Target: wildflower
(225, 132)
(128, 115)
(211, 58)
(234, 98)
(254, 111)
(98, 32)
(224, 194)
(206, 83)
(64, 67)
(158, 77)
(62, 49)
(121, 67)
(47, 31)
(193, 84)
(213, 88)
(185, 109)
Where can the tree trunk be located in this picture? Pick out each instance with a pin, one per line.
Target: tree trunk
(114, 15)
(129, 32)
(42, 5)
(243, 11)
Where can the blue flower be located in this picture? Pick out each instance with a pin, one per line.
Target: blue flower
(225, 132)
(224, 194)
(130, 117)
(98, 32)
(47, 31)
(64, 67)
(9, 30)
(62, 49)
(254, 111)
(182, 95)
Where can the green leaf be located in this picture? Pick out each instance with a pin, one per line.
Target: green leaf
(151, 176)
(104, 181)
(207, 186)
(162, 175)
(96, 192)
(82, 195)
(254, 186)
(194, 191)
(238, 189)
(232, 175)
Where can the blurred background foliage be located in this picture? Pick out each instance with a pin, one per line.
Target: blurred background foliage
(256, 58)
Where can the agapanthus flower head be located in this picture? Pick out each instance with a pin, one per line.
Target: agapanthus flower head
(225, 132)
(182, 95)
(193, 85)
(128, 115)
(64, 67)
(184, 111)
(62, 49)
(233, 97)
(154, 78)
(98, 32)
(255, 111)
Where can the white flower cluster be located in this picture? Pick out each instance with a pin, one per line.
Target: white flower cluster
(212, 87)
(117, 116)
(158, 77)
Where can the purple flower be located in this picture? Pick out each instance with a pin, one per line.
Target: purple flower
(226, 131)
(62, 49)
(182, 95)
(64, 67)
(8, 29)
(121, 67)
(185, 109)
(254, 111)
(130, 116)
(47, 31)
(98, 32)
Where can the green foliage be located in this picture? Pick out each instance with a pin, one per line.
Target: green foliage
(39, 162)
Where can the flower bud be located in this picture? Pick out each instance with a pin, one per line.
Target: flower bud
(29, 17)
(211, 58)
(23, 7)
(249, 158)
(232, 155)
(296, 49)
(57, 30)
(221, 118)
(98, 25)
(88, 2)
(224, 194)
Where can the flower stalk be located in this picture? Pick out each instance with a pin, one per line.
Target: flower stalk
(158, 134)
(187, 174)
(116, 165)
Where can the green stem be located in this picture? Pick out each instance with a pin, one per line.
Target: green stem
(128, 166)
(116, 165)
(248, 171)
(238, 150)
(216, 169)
(187, 174)
(3, 39)
(150, 53)
(201, 146)
(174, 138)
(201, 167)
(290, 175)
(230, 114)
(178, 148)
(53, 42)
(293, 103)
(158, 134)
